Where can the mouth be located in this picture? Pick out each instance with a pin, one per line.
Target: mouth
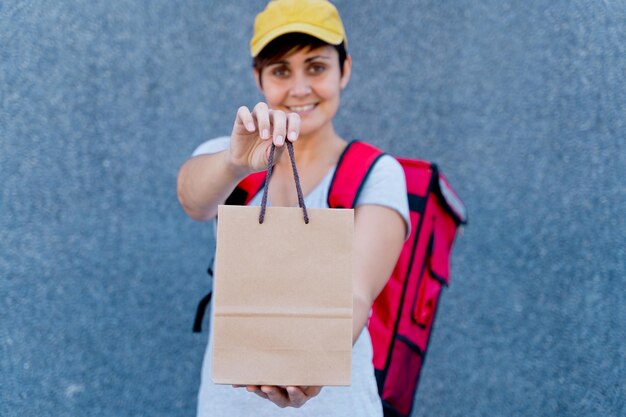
(305, 108)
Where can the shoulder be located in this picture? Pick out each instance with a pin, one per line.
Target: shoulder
(386, 186)
(212, 146)
(386, 179)
(370, 162)
(388, 168)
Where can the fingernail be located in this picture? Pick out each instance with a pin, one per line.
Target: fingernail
(292, 135)
(265, 134)
(280, 140)
(250, 126)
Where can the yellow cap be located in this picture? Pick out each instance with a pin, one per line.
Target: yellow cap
(318, 18)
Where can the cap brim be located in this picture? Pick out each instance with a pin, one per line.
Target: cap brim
(325, 35)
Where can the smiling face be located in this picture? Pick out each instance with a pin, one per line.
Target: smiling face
(308, 82)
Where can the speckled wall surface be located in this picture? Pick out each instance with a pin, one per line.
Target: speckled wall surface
(521, 103)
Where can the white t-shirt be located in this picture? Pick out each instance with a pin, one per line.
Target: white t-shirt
(384, 186)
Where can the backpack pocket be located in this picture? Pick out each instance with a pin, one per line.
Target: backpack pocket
(403, 373)
(434, 276)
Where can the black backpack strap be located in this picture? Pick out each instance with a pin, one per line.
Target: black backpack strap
(202, 305)
(201, 311)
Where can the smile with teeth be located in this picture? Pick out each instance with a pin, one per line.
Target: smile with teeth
(302, 109)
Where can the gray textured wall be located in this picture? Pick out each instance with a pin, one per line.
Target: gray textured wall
(522, 104)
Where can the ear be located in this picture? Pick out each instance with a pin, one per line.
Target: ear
(347, 71)
(257, 79)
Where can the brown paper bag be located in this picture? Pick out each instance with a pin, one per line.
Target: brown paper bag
(283, 297)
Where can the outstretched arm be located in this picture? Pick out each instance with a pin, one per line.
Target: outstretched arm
(205, 181)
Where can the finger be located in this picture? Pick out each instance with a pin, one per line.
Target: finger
(262, 114)
(257, 390)
(276, 395)
(312, 391)
(293, 126)
(278, 153)
(245, 117)
(279, 122)
(297, 397)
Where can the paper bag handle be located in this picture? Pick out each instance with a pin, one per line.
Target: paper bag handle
(295, 176)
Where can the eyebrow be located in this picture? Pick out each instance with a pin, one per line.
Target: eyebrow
(306, 61)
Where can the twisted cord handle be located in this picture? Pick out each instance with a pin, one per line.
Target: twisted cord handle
(295, 176)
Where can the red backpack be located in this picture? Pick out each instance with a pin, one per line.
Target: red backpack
(403, 314)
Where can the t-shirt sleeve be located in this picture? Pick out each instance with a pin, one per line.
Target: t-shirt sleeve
(386, 186)
(214, 145)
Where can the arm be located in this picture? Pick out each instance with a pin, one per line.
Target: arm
(205, 181)
(379, 234)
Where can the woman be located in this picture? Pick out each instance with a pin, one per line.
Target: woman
(301, 67)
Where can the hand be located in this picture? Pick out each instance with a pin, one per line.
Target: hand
(290, 396)
(254, 132)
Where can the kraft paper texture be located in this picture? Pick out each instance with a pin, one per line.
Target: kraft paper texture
(283, 297)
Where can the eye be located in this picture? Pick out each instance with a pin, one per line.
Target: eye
(317, 68)
(280, 71)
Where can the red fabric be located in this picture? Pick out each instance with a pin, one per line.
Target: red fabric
(404, 370)
(352, 168)
(252, 184)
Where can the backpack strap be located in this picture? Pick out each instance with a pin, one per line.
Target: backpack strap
(203, 304)
(246, 189)
(353, 168)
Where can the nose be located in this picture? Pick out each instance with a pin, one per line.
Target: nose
(300, 86)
